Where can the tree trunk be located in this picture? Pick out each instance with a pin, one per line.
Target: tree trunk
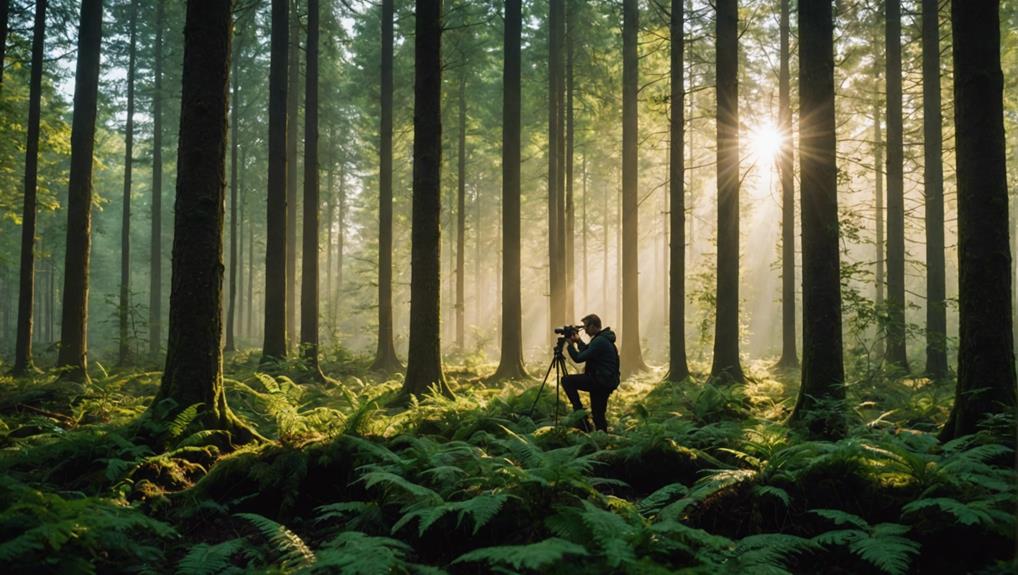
(896, 354)
(250, 307)
(726, 333)
(424, 363)
(569, 234)
(194, 357)
(510, 365)
(789, 358)
(276, 286)
(74, 316)
(23, 346)
(555, 25)
(678, 368)
(823, 374)
(309, 251)
(155, 291)
(123, 308)
(340, 237)
(631, 356)
(461, 216)
(237, 322)
(933, 178)
(292, 103)
(878, 169)
(231, 343)
(385, 356)
(986, 370)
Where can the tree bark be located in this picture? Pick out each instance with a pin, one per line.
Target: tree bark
(986, 370)
(424, 363)
(23, 346)
(155, 297)
(823, 374)
(194, 357)
(5, 12)
(678, 368)
(933, 178)
(555, 271)
(231, 343)
(726, 363)
(292, 103)
(309, 265)
(125, 227)
(631, 355)
(461, 216)
(569, 233)
(510, 365)
(789, 357)
(385, 355)
(74, 315)
(276, 286)
(896, 354)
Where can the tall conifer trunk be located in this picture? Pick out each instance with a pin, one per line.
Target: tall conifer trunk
(631, 356)
(23, 345)
(309, 252)
(274, 346)
(74, 316)
(986, 369)
(933, 178)
(292, 103)
(385, 354)
(823, 374)
(510, 365)
(678, 368)
(194, 357)
(726, 333)
(155, 290)
(896, 354)
(424, 363)
(125, 226)
(786, 170)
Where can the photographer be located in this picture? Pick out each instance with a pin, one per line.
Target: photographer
(600, 375)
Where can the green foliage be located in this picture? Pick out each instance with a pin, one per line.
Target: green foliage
(883, 545)
(289, 548)
(534, 556)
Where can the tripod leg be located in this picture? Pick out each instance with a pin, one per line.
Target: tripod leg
(530, 413)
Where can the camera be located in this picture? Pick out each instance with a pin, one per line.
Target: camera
(568, 331)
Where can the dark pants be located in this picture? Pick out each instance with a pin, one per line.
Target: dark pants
(573, 384)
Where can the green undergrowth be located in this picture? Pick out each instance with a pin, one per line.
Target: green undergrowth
(692, 478)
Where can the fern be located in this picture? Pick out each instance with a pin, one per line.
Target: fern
(883, 545)
(182, 421)
(205, 559)
(355, 553)
(982, 512)
(534, 556)
(292, 550)
(480, 508)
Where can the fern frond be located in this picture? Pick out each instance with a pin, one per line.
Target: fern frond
(205, 559)
(534, 556)
(355, 553)
(292, 550)
(183, 419)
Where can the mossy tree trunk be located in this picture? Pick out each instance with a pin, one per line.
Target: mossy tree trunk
(123, 315)
(74, 316)
(194, 358)
(155, 292)
(424, 363)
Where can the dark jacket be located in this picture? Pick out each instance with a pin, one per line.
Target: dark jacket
(600, 356)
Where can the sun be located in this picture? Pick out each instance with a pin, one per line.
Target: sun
(765, 143)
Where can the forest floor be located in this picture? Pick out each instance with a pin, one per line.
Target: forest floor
(691, 478)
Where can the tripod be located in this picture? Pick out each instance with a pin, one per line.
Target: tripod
(558, 362)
